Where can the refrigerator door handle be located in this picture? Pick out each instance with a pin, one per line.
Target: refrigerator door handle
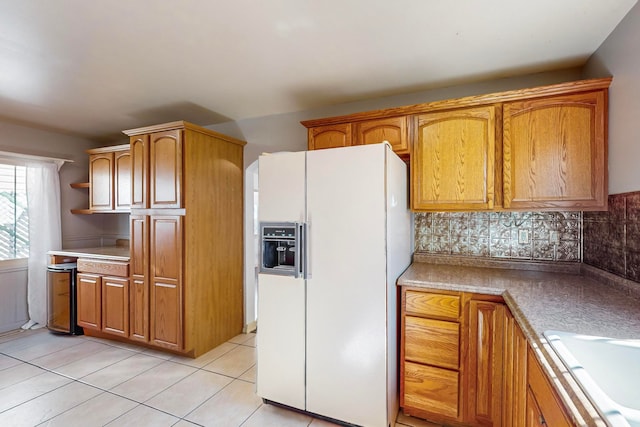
(300, 259)
(306, 250)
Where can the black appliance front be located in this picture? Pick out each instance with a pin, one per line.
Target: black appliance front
(62, 310)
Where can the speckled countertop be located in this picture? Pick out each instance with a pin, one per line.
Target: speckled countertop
(113, 253)
(580, 301)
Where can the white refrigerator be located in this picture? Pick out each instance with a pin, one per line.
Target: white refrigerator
(327, 339)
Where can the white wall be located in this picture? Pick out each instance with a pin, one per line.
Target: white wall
(618, 57)
(283, 132)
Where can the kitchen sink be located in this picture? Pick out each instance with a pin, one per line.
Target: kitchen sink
(607, 369)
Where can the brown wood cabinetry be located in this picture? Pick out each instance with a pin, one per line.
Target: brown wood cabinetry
(555, 152)
(330, 136)
(165, 169)
(486, 334)
(101, 181)
(453, 160)
(431, 371)
(393, 130)
(89, 294)
(139, 148)
(102, 288)
(451, 364)
(139, 291)
(115, 305)
(109, 179)
(514, 389)
(122, 180)
(541, 148)
(465, 361)
(544, 406)
(186, 237)
(165, 281)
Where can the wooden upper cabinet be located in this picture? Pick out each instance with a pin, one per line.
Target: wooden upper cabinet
(165, 172)
(330, 136)
(555, 152)
(453, 158)
(110, 179)
(139, 148)
(122, 177)
(101, 180)
(392, 129)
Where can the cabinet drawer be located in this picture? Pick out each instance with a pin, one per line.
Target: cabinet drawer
(430, 304)
(431, 389)
(111, 268)
(434, 342)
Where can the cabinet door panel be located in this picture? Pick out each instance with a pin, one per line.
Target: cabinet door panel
(555, 152)
(122, 176)
(452, 160)
(139, 149)
(514, 382)
(486, 339)
(101, 180)
(139, 291)
(431, 389)
(432, 342)
(166, 281)
(165, 178)
(548, 406)
(330, 136)
(394, 130)
(89, 293)
(115, 305)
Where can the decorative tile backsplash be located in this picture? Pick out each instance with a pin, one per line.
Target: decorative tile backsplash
(612, 238)
(545, 236)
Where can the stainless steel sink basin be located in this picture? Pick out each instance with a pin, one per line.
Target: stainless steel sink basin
(607, 369)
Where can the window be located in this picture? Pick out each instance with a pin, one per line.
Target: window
(14, 218)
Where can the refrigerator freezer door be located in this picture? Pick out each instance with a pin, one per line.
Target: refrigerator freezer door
(281, 196)
(346, 289)
(281, 300)
(280, 340)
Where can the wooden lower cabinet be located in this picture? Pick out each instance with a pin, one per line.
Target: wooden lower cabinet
(544, 406)
(464, 361)
(115, 305)
(89, 294)
(165, 281)
(455, 358)
(139, 290)
(103, 301)
(431, 390)
(486, 332)
(514, 384)
(431, 368)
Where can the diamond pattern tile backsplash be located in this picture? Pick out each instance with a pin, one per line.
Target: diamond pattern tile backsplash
(545, 236)
(612, 238)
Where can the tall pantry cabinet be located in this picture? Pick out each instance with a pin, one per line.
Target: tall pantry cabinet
(186, 237)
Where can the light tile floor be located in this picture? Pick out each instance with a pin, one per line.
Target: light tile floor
(59, 380)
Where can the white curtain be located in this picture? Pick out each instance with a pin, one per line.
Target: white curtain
(45, 234)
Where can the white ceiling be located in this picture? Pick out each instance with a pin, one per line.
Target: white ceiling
(96, 67)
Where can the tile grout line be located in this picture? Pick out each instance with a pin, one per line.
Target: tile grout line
(79, 380)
